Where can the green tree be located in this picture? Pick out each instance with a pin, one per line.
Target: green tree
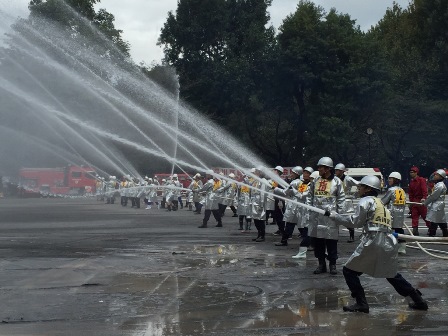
(333, 83)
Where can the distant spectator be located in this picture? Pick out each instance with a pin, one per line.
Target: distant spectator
(417, 191)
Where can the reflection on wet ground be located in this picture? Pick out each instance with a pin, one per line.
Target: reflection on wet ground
(270, 300)
(155, 275)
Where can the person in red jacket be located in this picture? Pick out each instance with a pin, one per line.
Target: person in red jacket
(417, 191)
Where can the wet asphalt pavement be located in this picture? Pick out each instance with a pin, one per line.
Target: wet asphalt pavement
(81, 267)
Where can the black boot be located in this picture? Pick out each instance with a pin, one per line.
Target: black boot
(241, 225)
(260, 239)
(255, 239)
(445, 232)
(322, 268)
(282, 243)
(351, 239)
(204, 225)
(419, 303)
(219, 224)
(415, 231)
(360, 306)
(333, 270)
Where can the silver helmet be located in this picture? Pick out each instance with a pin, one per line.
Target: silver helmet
(309, 170)
(395, 175)
(371, 181)
(298, 170)
(325, 161)
(442, 173)
(340, 166)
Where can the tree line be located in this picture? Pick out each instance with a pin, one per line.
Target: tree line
(311, 88)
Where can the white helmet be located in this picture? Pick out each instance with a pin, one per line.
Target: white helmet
(340, 166)
(163, 180)
(279, 169)
(149, 180)
(298, 170)
(252, 170)
(325, 161)
(174, 175)
(395, 175)
(197, 175)
(441, 172)
(232, 175)
(309, 170)
(314, 174)
(371, 181)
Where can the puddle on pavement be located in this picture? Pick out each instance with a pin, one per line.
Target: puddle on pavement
(184, 306)
(180, 303)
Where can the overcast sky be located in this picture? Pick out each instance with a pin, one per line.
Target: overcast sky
(141, 20)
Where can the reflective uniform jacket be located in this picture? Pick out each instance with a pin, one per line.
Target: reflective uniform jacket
(376, 254)
(291, 211)
(243, 194)
(348, 183)
(229, 191)
(210, 201)
(195, 186)
(436, 204)
(327, 195)
(258, 198)
(395, 201)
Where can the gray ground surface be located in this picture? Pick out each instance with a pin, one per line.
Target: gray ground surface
(80, 267)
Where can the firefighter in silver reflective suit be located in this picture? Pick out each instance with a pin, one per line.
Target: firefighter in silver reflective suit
(228, 195)
(195, 186)
(347, 182)
(327, 193)
(291, 213)
(376, 255)
(436, 205)
(243, 209)
(395, 201)
(210, 201)
(258, 198)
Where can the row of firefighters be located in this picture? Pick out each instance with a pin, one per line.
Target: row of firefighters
(328, 191)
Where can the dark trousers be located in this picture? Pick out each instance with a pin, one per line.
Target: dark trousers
(181, 204)
(124, 200)
(305, 238)
(233, 209)
(198, 207)
(331, 247)
(399, 283)
(433, 229)
(261, 227)
(278, 216)
(215, 213)
(288, 231)
(222, 209)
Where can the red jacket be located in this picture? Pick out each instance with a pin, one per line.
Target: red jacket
(417, 189)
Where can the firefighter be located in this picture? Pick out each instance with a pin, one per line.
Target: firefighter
(195, 186)
(123, 187)
(176, 195)
(302, 224)
(258, 199)
(347, 182)
(326, 192)
(376, 255)
(436, 205)
(228, 191)
(290, 216)
(110, 190)
(210, 200)
(395, 201)
(243, 208)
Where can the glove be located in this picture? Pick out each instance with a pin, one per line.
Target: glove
(331, 214)
(395, 234)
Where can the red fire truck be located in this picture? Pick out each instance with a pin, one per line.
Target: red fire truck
(70, 180)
